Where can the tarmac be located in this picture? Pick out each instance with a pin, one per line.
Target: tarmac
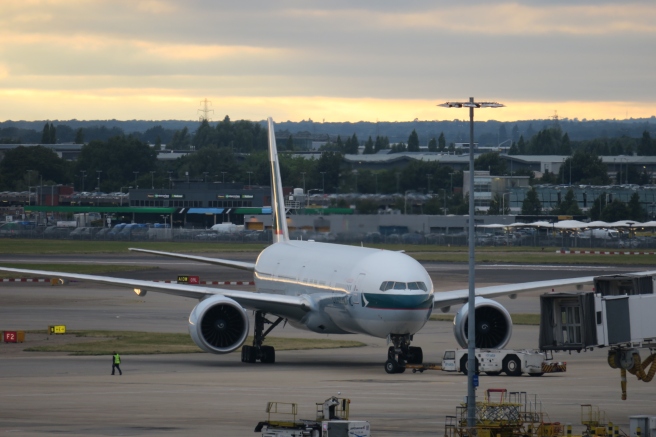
(203, 394)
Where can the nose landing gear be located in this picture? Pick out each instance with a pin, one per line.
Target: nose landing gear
(401, 354)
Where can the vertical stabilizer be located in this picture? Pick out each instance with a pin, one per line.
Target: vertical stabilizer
(279, 228)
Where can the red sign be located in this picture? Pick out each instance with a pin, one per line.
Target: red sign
(185, 279)
(10, 337)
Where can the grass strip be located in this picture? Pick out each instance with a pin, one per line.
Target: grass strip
(517, 319)
(42, 247)
(150, 343)
(423, 253)
(86, 269)
(537, 258)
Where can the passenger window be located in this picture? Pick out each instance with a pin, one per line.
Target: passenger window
(389, 285)
(399, 285)
(413, 286)
(422, 286)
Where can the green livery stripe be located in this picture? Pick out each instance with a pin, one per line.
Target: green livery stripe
(398, 301)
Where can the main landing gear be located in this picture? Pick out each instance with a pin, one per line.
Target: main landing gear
(401, 354)
(258, 352)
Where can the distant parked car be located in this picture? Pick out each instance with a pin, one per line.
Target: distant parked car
(56, 232)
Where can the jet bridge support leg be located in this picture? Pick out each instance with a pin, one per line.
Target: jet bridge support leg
(259, 352)
(402, 353)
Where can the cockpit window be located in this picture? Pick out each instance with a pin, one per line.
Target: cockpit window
(389, 285)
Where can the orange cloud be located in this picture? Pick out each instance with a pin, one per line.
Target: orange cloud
(125, 103)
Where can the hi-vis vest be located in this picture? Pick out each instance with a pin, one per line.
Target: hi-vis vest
(117, 359)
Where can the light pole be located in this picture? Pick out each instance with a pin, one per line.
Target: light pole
(443, 190)
(502, 143)
(223, 173)
(170, 179)
(29, 187)
(152, 180)
(471, 337)
(98, 171)
(503, 203)
(136, 173)
(323, 181)
(84, 176)
(307, 201)
(405, 201)
(249, 178)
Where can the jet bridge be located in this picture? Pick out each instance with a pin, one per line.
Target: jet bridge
(617, 315)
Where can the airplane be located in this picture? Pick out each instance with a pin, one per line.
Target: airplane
(326, 288)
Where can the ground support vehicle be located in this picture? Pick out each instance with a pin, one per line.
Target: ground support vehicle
(332, 420)
(495, 361)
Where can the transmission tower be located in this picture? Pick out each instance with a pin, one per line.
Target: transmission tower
(555, 119)
(205, 111)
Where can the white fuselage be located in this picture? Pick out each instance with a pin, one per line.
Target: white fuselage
(353, 289)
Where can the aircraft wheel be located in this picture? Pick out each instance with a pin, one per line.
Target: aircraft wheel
(464, 363)
(512, 366)
(268, 354)
(248, 354)
(391, 366)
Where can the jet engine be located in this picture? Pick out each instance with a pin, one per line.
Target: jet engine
(218, 325)
(493, 324)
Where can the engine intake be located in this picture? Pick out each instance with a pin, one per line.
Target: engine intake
(493, 324)
(218, 325)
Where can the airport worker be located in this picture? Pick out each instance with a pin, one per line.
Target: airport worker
(116, 361)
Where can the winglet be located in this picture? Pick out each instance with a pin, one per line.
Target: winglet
(280, 231)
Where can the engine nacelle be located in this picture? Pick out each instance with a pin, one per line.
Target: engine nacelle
(218, 325)
(493, 324)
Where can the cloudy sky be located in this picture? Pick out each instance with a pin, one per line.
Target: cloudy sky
(331, 60)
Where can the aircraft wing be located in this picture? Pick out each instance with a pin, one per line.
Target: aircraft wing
(448, 298)
(221, 262)
(290, 307)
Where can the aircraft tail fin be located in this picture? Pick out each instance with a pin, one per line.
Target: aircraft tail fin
(280, 231)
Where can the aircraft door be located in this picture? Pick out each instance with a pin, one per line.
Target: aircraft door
(356, 295)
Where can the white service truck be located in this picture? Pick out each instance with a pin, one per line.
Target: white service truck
(495, 361)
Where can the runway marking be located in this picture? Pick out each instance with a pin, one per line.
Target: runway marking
(543, 266)
(24, 280)
(42, 280)
(602, 252)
